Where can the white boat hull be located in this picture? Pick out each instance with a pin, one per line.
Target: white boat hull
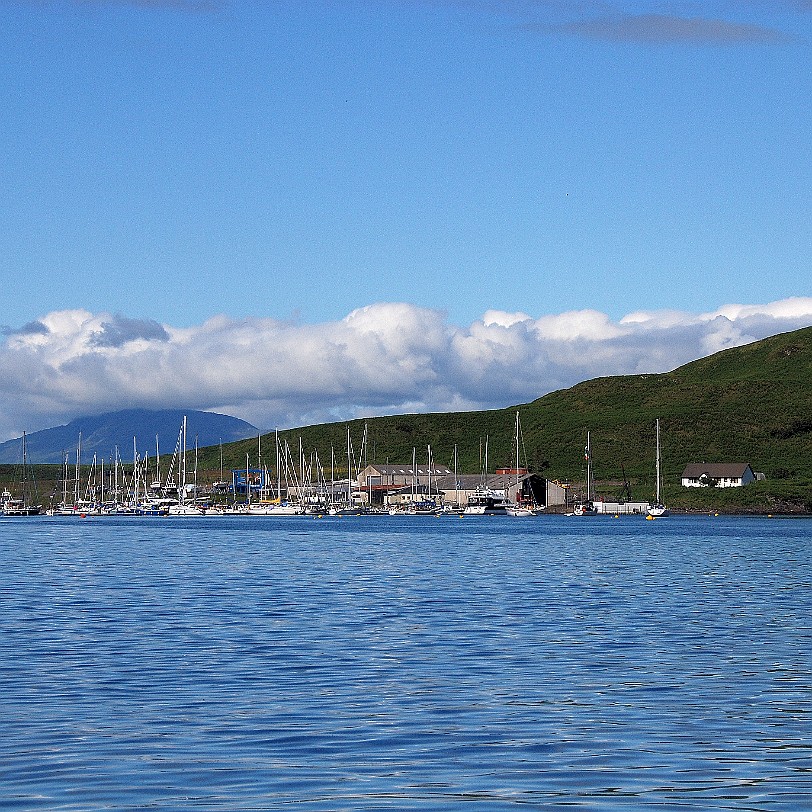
(519, 512)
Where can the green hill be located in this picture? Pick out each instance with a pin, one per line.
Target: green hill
(747, 404)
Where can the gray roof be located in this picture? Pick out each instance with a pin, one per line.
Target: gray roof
(716, 470)
(470, 482)
(407, 470)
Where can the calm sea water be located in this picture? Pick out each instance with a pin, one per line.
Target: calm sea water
(405, 663)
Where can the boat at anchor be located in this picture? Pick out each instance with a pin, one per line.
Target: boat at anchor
(658, 509)
(22, 506)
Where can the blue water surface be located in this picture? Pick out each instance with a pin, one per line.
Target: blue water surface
(380, 663)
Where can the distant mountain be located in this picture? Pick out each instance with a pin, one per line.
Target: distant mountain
(102, 433)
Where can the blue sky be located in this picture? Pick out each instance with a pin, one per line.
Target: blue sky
(287, 163)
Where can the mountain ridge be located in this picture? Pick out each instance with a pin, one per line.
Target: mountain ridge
(102, 434)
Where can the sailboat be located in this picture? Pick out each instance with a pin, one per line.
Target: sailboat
(184, 508)
(518, 508)
(587, 506)
(12, 506)
(420, 503)
(658, 509)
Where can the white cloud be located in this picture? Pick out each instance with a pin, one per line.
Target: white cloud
(503, 319)
(381, 359)
(577, 324)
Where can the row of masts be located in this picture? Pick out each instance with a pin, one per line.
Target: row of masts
(144, 479)
(310, 481)
(118, 482)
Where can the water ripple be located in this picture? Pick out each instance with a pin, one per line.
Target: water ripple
(369, 664)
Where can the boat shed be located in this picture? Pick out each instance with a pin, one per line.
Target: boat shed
(397, 484)
(397, 476)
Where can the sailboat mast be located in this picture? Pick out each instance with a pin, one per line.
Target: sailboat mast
(65, 482)
(456, 479)
(25, 476)
(414, 473)
(517, 455)
(78, 464)
(429, 461)
(369, 481)
(658, 460)
(135, 470)
(183, 462)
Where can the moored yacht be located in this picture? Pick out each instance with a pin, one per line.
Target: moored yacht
(658, 509)
(486, 502)
(12, 506)
(18, 507)
(586, 507)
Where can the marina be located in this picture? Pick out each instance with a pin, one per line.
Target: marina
(291, 487)
(286, 488)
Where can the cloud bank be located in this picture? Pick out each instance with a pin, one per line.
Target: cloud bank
(385, 358)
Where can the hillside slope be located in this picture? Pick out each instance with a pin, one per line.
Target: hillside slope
(751, 403)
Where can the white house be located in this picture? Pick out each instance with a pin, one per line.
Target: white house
(717, 474)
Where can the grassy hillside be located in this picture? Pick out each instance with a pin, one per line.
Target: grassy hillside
(748, 404)
(751, 403)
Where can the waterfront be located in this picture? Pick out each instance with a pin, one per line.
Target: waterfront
(406, 663)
